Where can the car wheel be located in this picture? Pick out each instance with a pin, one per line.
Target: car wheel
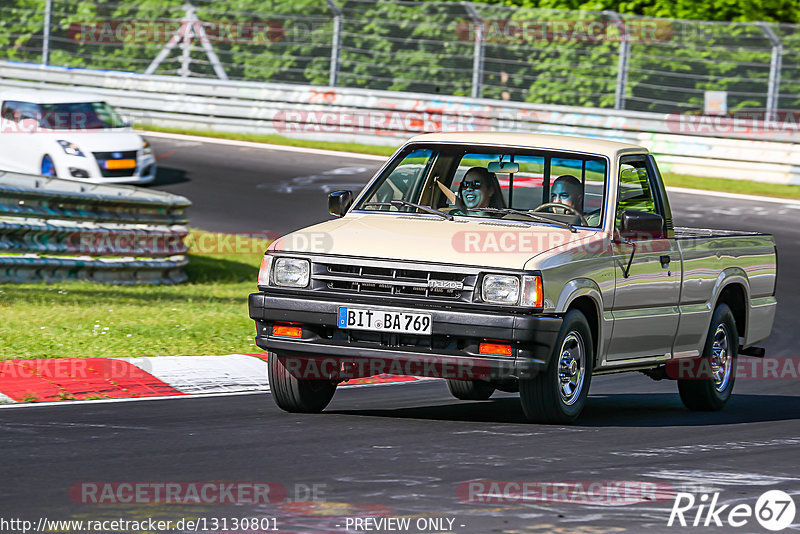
(470, 389)
(48, 167)
(558, 394)
(720, 353)
(297, 395)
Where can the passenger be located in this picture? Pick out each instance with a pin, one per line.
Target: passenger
(479, 188)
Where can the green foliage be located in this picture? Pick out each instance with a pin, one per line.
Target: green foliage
(429, 46)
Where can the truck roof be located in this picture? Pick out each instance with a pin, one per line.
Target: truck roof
(532, 140)
(36, 96)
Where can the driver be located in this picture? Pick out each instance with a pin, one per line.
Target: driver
(568, 190)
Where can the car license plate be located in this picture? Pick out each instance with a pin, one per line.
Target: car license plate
(400, 322)
(120, 164)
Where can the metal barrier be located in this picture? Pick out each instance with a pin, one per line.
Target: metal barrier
(760, 152)
(53, 230)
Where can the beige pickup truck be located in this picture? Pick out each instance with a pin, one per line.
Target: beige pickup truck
(514, 262)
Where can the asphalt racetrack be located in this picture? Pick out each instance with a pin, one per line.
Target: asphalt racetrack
(411, 450)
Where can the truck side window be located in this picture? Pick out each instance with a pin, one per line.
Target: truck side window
(404, 181)
(634, 189)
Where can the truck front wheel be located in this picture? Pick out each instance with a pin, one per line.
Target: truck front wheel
(711, 389)
(470, 389)
(558, 394)
(297, 395)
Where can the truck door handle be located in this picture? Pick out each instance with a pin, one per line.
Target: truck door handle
(665, 261)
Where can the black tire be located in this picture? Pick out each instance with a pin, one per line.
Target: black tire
(543, 399)
(470, 389)
(297, 395)
(710, 394)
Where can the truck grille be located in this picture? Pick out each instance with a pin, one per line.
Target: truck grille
(393, 281)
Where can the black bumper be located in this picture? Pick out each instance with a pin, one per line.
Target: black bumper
(450, 352)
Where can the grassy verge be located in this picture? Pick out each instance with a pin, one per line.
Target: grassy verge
(208, 315)
(745, 187)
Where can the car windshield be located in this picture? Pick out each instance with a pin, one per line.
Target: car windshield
(79, 116)
(489, 182)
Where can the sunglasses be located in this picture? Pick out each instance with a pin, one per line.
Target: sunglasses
(471, 184)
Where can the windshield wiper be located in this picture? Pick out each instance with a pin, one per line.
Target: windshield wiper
(406, 203)
(537, 218)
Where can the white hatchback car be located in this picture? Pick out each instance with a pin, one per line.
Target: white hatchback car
(71, 135)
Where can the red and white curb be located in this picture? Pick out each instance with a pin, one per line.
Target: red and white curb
(66, 379)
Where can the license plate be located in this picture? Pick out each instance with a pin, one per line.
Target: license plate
(120, 164)
(384, 320)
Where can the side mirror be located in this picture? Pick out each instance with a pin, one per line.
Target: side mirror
(339, 202)
(641, 225)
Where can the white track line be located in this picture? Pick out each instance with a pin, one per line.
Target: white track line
(355, 155)
(265, 146)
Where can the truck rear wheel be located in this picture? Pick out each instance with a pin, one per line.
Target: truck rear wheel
(470, 389)
(719, 360)
(297, 395)
(558, 394)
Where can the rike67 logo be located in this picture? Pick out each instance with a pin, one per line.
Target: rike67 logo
(774, 510)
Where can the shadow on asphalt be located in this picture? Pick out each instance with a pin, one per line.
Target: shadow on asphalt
(169, 176)
(623, 410)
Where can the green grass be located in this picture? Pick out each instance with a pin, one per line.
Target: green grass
(744, 187)
(208, 315)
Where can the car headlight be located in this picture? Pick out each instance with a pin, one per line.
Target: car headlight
(291, 272)
(146, 148)
(500, 289)
(70, 148)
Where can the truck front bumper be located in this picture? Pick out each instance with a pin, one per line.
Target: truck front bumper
(452, 351)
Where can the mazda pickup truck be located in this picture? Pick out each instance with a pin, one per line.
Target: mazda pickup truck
(514, 262)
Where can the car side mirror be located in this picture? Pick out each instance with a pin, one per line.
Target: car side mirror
(637, 224)
(339, 202)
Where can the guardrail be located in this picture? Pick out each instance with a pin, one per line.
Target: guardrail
(53, 230)
(705, 146)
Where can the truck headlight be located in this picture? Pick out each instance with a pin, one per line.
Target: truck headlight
(70, 148)
(500, 289)
(291, 272)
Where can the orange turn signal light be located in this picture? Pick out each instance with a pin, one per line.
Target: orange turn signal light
(500, 349)
(287, 331)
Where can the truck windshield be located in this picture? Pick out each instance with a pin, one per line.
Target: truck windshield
(490, 182)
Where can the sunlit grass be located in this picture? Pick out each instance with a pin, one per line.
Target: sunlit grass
(208, 315)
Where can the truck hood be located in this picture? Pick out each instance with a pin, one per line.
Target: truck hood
(489, 243)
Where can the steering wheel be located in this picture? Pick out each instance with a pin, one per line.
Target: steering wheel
(565, 207)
